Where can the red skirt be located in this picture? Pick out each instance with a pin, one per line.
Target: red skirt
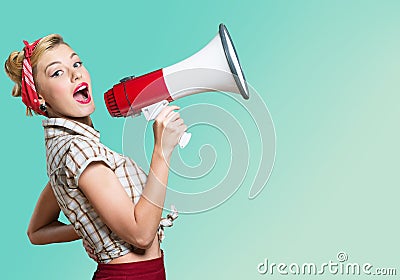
(144, 270)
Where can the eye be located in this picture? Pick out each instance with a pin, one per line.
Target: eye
(58, 73)
(78, 64)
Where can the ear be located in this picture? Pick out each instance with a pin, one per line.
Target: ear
(41, 99)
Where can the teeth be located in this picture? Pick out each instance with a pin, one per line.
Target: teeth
(80, 88)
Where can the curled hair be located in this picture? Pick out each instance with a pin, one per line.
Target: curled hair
(13, 65)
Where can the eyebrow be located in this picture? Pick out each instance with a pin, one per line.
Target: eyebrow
(57, 62)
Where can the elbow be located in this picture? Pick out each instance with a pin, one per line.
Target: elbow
(144, 242)
(32, 237)
(35, 237)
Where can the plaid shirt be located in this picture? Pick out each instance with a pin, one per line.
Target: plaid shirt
(70, 147)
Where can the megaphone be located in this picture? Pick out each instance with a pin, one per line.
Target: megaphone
(215, 67)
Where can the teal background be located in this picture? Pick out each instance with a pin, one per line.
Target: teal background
(329, 74)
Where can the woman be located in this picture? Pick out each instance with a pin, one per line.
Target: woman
(111, 203)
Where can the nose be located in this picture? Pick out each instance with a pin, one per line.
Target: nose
(76, 75)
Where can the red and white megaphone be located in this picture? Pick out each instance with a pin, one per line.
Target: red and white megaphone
(216, 67)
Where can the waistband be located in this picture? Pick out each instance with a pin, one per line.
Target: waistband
(140, 268)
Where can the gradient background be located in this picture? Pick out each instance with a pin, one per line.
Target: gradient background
(329, 74)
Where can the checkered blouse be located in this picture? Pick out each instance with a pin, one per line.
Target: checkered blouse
(70, 147)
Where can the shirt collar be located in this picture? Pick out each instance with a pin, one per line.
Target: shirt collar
(54, 127)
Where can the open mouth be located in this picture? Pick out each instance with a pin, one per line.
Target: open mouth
(81, 93)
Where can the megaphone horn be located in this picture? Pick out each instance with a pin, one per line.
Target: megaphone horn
(215, 67)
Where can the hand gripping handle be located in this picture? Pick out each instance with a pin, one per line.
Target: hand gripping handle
(152, 111)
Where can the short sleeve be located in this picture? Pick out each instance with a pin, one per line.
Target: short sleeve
(82, 152)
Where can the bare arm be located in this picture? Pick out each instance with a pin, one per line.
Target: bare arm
(44, 227)
(136, 224)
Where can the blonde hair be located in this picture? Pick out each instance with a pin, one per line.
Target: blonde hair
(13, 65)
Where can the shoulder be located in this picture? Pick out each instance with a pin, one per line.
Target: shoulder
(83, 151)
(83, 146)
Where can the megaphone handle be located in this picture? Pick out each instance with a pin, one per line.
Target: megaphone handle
(184, 140)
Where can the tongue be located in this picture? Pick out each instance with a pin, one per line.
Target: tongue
(79, 96)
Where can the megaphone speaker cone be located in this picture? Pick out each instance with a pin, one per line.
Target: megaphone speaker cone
(233, 61)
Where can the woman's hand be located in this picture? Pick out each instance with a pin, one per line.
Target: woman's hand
(44, 227)
(89, 250)
(168, 128)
